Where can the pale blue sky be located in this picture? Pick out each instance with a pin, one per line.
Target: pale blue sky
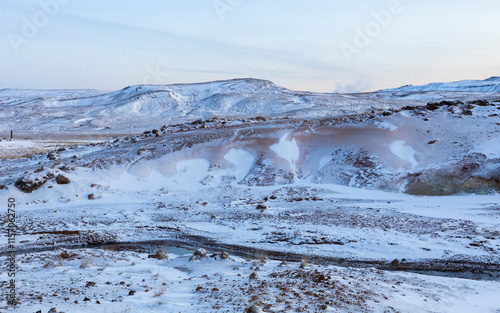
(297, 44)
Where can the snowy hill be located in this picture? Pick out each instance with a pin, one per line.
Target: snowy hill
(491, 84)
(138, 108)
(135, 109)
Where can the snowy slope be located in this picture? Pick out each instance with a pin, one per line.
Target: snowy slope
(137, 108)
(234, 166)
(491, 84)
(342, 186)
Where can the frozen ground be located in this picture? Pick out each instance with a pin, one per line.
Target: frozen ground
(395, 209)
(116, 280)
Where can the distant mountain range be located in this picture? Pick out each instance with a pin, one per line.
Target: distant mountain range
(491, 84)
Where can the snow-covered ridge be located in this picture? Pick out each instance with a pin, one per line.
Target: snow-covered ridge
(139, 107)
(135, 109)
(491, 84)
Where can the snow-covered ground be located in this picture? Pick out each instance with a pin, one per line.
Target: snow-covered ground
(115, 280)
(19, 148)
(393, 202)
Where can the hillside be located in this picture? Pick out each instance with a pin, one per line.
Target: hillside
(233, 194)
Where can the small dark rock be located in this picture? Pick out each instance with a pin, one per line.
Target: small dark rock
(450, 103)
(432, 106)
(86, 299)
(408, 108)
(64, 255)
(395, 263)
(28, 186)
(131, 292)
(91, 196)
(482, 103)
(64, 168)
(160, 255)
(198, 254)
(62, 180)
(261, 207)
(90, 284)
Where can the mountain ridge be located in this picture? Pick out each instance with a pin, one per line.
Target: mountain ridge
(491, 84)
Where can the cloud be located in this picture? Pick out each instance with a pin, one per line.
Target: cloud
(361, 85)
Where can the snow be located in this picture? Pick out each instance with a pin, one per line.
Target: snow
(212, 284)
(491, 84)
(404, 152)
(324, 161)
(385, 125)
(491, 147)
(134, 109)
(242, 160)
(17, 148)
(12, 148)
(190, 171)
(288, 150)
(321, 185)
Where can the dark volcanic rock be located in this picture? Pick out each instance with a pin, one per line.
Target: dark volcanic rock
(482, 103)
(28, 186)
(477, 184)
(62, 180)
